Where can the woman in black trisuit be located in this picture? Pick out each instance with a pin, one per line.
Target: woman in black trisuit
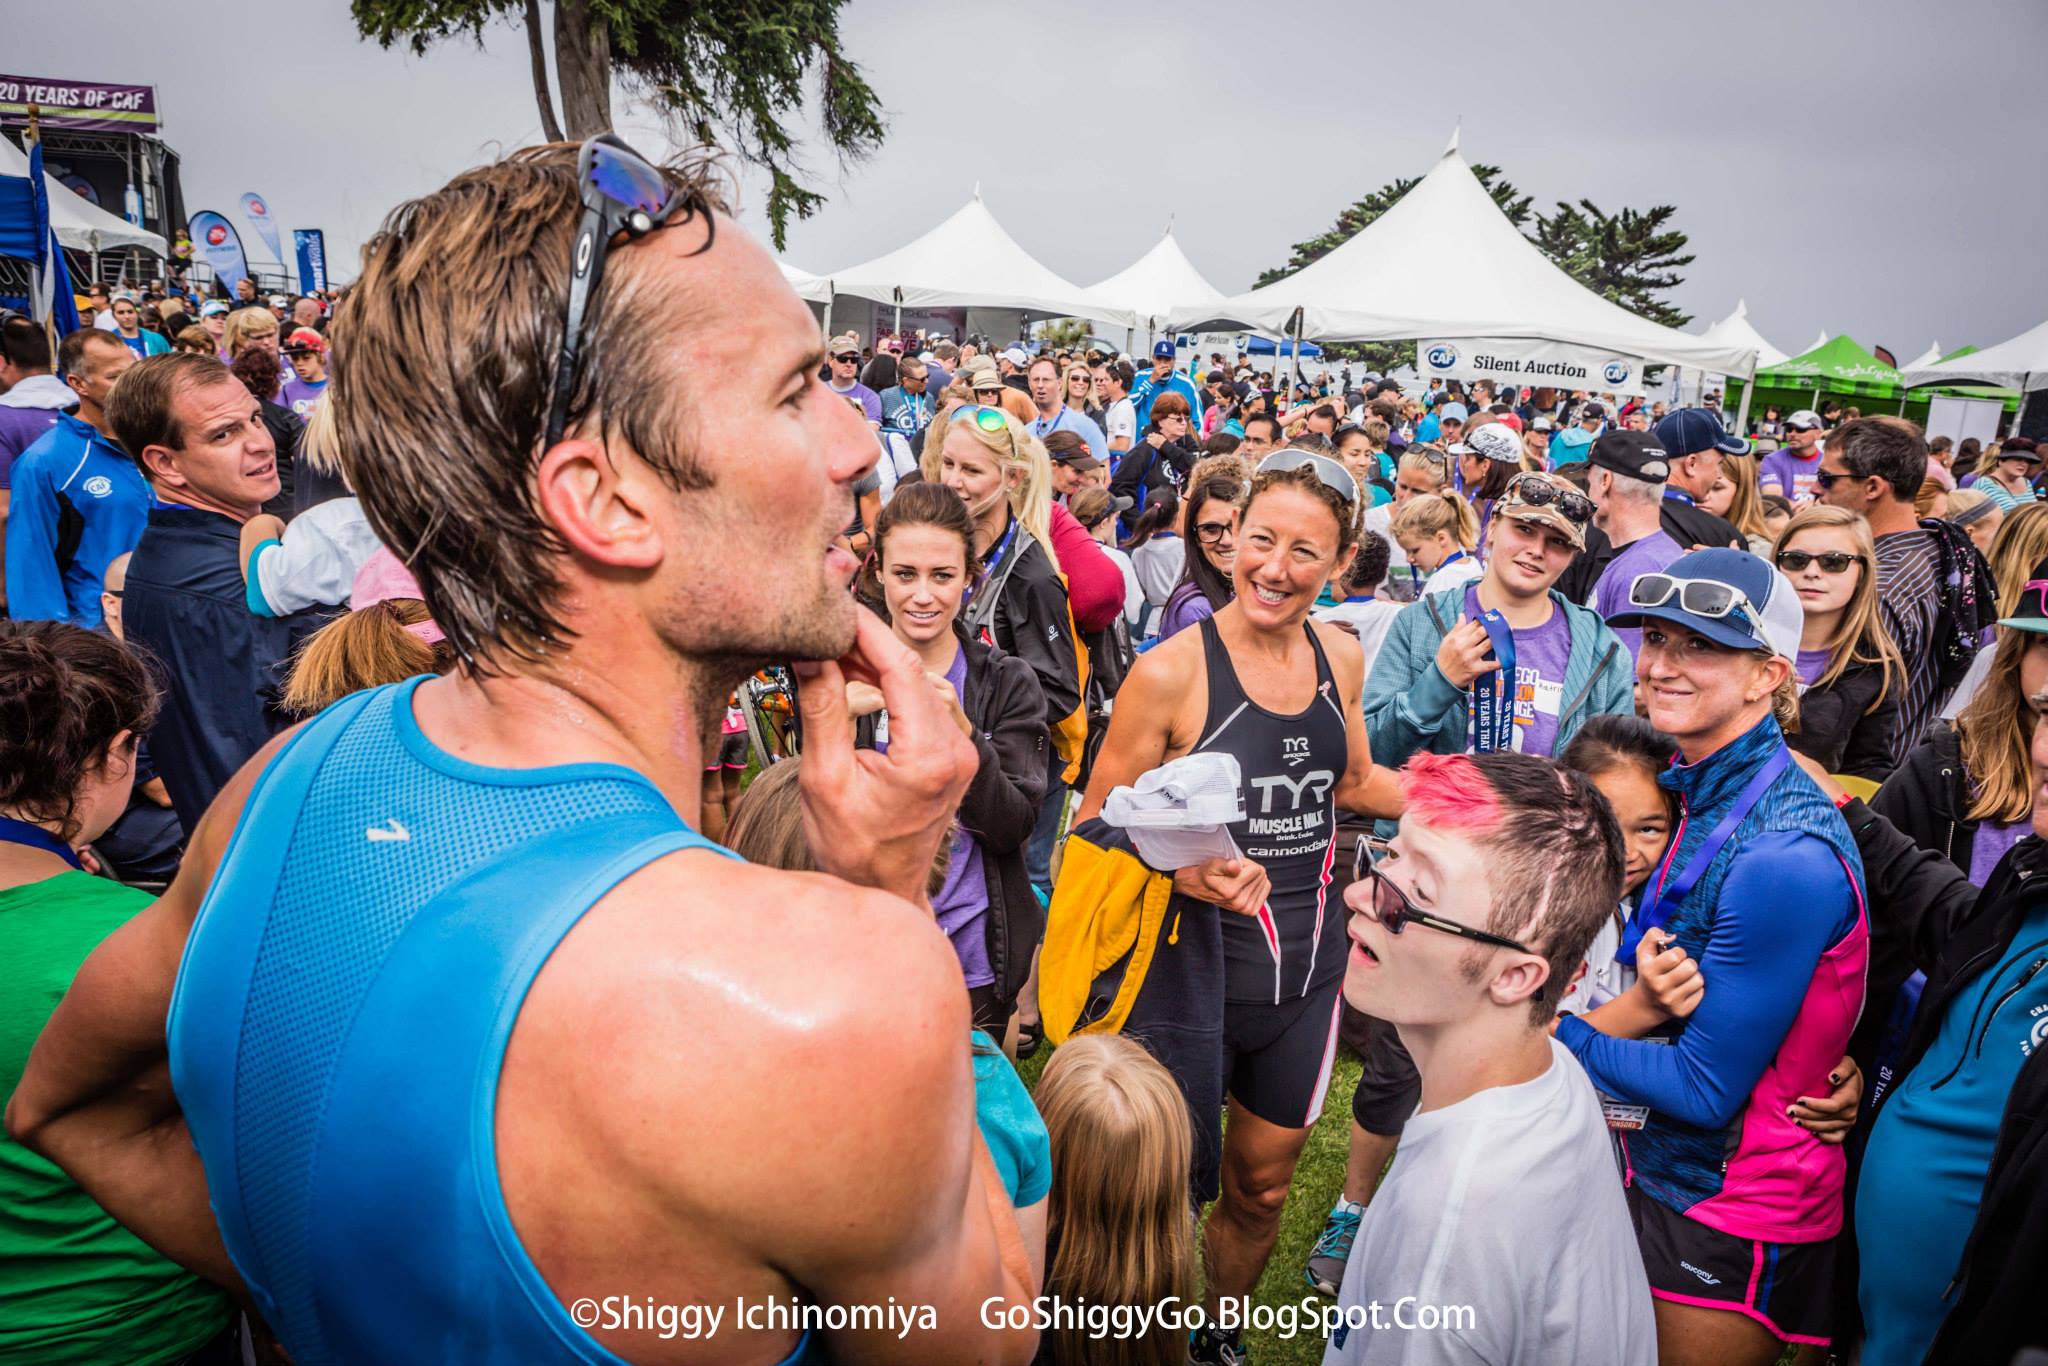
(1241, 998)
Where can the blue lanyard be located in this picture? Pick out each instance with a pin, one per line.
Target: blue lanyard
(1670, 893)
(1678, 495)
(1493, 705)
(994, 561)
(13, 831)
(1452, 558)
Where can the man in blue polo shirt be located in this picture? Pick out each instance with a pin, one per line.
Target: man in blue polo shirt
(1043, 375)
(77, 499)
(1164, 379)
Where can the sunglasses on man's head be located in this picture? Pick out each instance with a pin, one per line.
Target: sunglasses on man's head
(622, 193)
(1395, 912)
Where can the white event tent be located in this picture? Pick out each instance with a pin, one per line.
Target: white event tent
(970, 261)
(1155, 284)
(1737, 330)
(1927, 357)
(2021, 363)
(81, 225)
(812, 289)
(1446, 263)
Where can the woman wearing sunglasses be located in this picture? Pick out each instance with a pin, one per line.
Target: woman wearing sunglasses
(1760, 887)
(1079, 392)
(1211, 549)
(1241, 993)
(1849, 672)
(1504, 661)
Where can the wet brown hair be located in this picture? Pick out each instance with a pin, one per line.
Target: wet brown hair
(444, 360)
(65, 693)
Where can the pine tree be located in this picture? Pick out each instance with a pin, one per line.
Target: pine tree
(1627, 257)
(729, 72)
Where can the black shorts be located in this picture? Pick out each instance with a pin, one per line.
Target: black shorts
(732, 752)
(1389, 1087)
(1276, 1058)
(1786, 1287)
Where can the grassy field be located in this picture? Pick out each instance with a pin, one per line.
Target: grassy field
(1316, 1183)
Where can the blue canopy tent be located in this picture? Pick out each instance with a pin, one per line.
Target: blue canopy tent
(26, 236)
(1261, 346)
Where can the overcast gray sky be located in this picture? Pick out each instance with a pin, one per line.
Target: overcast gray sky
(1869, 167)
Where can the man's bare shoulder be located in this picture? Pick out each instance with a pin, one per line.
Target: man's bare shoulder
(803, 963)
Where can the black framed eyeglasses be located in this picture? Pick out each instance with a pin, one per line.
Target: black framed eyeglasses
(1830, 562)
(622, 192)
(1212, 533)
(1395, 912)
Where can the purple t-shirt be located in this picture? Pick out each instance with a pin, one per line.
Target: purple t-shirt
(961, 903)
(302, 398)
(1989, 844)
(1646, 555)
(1185, 606)
(1541, 653)
(1786, 472)
(1810, 665)
(870, 401)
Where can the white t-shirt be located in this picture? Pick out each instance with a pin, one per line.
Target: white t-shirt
(316, 563)
(1134, 593)
(1370, 617)
(1604, 977)
(1120, 420)
(1381, 519)
(1159, 562)
(1502, 1220)
(1456, 574)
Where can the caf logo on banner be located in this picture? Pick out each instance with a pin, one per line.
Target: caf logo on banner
(1617, 372)
(1443, 357)
(256, 206)
(216, 235)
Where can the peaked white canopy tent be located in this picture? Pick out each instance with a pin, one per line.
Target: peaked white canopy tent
(970, 261)
(1927, 357)
(1152, 286)
(80, 224)
(1446, 263)
(2020, 363)
(1737, 330)
(812, 289)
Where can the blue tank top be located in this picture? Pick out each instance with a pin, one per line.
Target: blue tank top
(341, 1016)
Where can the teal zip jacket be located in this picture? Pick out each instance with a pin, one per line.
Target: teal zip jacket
(1411, 708)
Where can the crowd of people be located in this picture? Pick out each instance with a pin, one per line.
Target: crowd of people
(404, 965)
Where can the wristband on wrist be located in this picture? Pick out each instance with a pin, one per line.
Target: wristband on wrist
(1843, 799)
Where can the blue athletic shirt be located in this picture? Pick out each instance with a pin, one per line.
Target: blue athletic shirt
(341, 1016)
(1935, 1139)
(75, 491)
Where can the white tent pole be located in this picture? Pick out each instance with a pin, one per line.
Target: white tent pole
(1294, 358)
(828, 319)
(1130, 339)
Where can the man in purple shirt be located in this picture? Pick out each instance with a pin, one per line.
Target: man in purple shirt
(845, 380)
(1792, 468)
(1626, 485)
(30, 396)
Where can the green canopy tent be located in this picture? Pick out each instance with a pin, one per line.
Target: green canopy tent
(1840, 369)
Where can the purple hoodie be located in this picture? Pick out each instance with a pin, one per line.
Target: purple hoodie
(28, 410)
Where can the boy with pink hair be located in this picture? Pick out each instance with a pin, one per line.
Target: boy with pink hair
(1458, 1256)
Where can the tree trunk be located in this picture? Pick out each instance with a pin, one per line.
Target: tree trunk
(583, 66)
(551, 129)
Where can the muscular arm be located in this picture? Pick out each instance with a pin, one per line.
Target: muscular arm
(96, 1096)
(1783, 904)
(1141, 726)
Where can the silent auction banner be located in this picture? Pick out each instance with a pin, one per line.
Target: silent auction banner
(1537, 364)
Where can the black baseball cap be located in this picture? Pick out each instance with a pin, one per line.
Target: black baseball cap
(1635, 454)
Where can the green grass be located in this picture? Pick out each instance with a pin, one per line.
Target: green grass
(1317, 1181)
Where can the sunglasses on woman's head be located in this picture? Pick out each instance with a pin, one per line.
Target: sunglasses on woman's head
(1395, 912)
(1831, 562)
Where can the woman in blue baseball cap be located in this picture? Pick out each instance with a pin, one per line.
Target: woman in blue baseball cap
(1762, 887)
